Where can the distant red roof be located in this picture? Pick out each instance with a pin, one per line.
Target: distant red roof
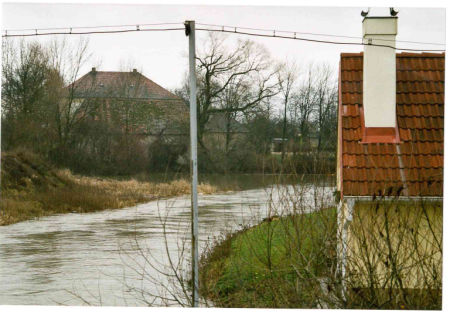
(112, 84)
(416, 163)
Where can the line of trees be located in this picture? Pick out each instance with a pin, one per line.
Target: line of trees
(250, 107)
(73, 123)
(265, 106)
(38, 112)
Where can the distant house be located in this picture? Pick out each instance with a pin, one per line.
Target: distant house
(390, 144)
(222, 132)
(310, 141)
(136, 103)
(219, 124)
(277, 144)
(306, 143)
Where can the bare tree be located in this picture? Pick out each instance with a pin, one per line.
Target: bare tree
(304, 100)
(230, 100)
(287, 77)
(66, 60)
(26, 89)
(325, 110)
(245, 69)
(313, 105)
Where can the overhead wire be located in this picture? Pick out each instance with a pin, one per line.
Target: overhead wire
(318, 41)
(90, 32)
(90, 27)
(221, 26)
(223, 29)
(316, 34)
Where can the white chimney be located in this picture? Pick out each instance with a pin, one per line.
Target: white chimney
(379, 79)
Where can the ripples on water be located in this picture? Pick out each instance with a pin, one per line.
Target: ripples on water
(52, 260)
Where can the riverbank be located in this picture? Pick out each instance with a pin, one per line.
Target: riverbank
(271, 264)
(31, 188)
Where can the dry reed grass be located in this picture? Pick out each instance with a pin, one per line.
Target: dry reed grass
(84, 194)
(124, 188)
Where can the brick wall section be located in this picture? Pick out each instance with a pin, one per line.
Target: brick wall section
(369, 169)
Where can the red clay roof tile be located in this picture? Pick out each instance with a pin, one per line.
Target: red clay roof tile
(372, 168)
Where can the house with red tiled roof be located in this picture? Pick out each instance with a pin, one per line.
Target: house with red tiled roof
(131, 103)
(131, 99)
(390, 147)
(119, 84)
(409, 154)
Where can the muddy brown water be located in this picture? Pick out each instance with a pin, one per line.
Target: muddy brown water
(80, 259)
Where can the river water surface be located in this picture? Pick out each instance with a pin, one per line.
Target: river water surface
(79, 259)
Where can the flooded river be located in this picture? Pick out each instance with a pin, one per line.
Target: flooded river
(80, 259)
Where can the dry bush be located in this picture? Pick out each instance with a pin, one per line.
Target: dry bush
(392, 254)
(279, 263)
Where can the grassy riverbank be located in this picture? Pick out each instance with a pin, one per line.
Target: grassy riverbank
(31, 188)
(267, 265)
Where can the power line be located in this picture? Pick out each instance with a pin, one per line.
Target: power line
(317, 41)
(220, 26)
(205, 29)
(315, 34)
(90, 32)
(90, 27)
(211, 25)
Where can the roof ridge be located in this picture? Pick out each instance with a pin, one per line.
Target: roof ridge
(97, 78)
(145, 77)
(352, 54)
(402, 54)
(423, 54)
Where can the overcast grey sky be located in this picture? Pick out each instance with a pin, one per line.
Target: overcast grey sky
(160, 55)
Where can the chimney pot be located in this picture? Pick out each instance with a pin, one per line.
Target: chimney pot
(134, 70)
(94, 69)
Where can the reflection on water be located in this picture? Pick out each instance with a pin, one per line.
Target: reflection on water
(236, 182)
(47, 261)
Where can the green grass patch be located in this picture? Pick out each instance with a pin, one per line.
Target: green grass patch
(262, 265)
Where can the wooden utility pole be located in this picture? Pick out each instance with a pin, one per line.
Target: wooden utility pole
(190, 31)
